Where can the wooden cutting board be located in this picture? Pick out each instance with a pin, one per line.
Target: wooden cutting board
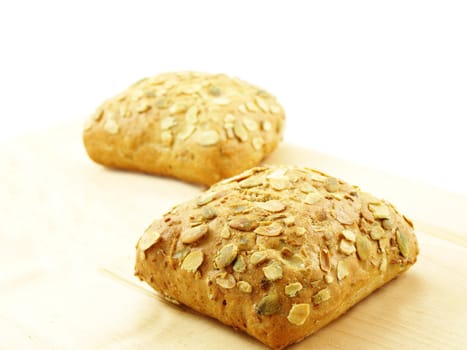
(68, 228)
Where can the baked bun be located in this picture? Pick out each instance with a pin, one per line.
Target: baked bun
(196, 127)
(277, 252)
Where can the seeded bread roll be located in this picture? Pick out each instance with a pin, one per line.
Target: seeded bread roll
(196, 127)
(277, 252)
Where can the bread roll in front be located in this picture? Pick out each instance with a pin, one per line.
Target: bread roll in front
(277, 252)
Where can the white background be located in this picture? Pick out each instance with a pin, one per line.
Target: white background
(382, 84)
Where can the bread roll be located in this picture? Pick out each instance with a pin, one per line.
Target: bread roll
(196, 127)
(277, 252)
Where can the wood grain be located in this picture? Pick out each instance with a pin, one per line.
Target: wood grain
(68, 229)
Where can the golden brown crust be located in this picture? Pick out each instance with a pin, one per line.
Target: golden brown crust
(277, 252)
(193, 126)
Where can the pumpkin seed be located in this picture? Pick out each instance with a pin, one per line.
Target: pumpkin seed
(346, 247)
(331, 184)
(298, 314)
(258, 257)
(322, 296)
(349, 235)
(292, 289)
(363, 247)
(403, 243)
(207, 137)
(193, 234)
(226, 281)
(193, 261)
(342, 270)
(273, 206)
(379, 210)
(377, 232)
(324, 260)
(226, 255)
(239, 264)
(273, 271)
(244, 287)
(243, 223)
(111, 126)
(268, 305)
(149, 239)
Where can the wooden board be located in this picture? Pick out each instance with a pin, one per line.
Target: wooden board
(68, 229)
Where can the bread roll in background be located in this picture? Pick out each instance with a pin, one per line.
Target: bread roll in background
(277, 252)
(196, 127)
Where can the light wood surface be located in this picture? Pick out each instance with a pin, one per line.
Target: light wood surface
(68, 229)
